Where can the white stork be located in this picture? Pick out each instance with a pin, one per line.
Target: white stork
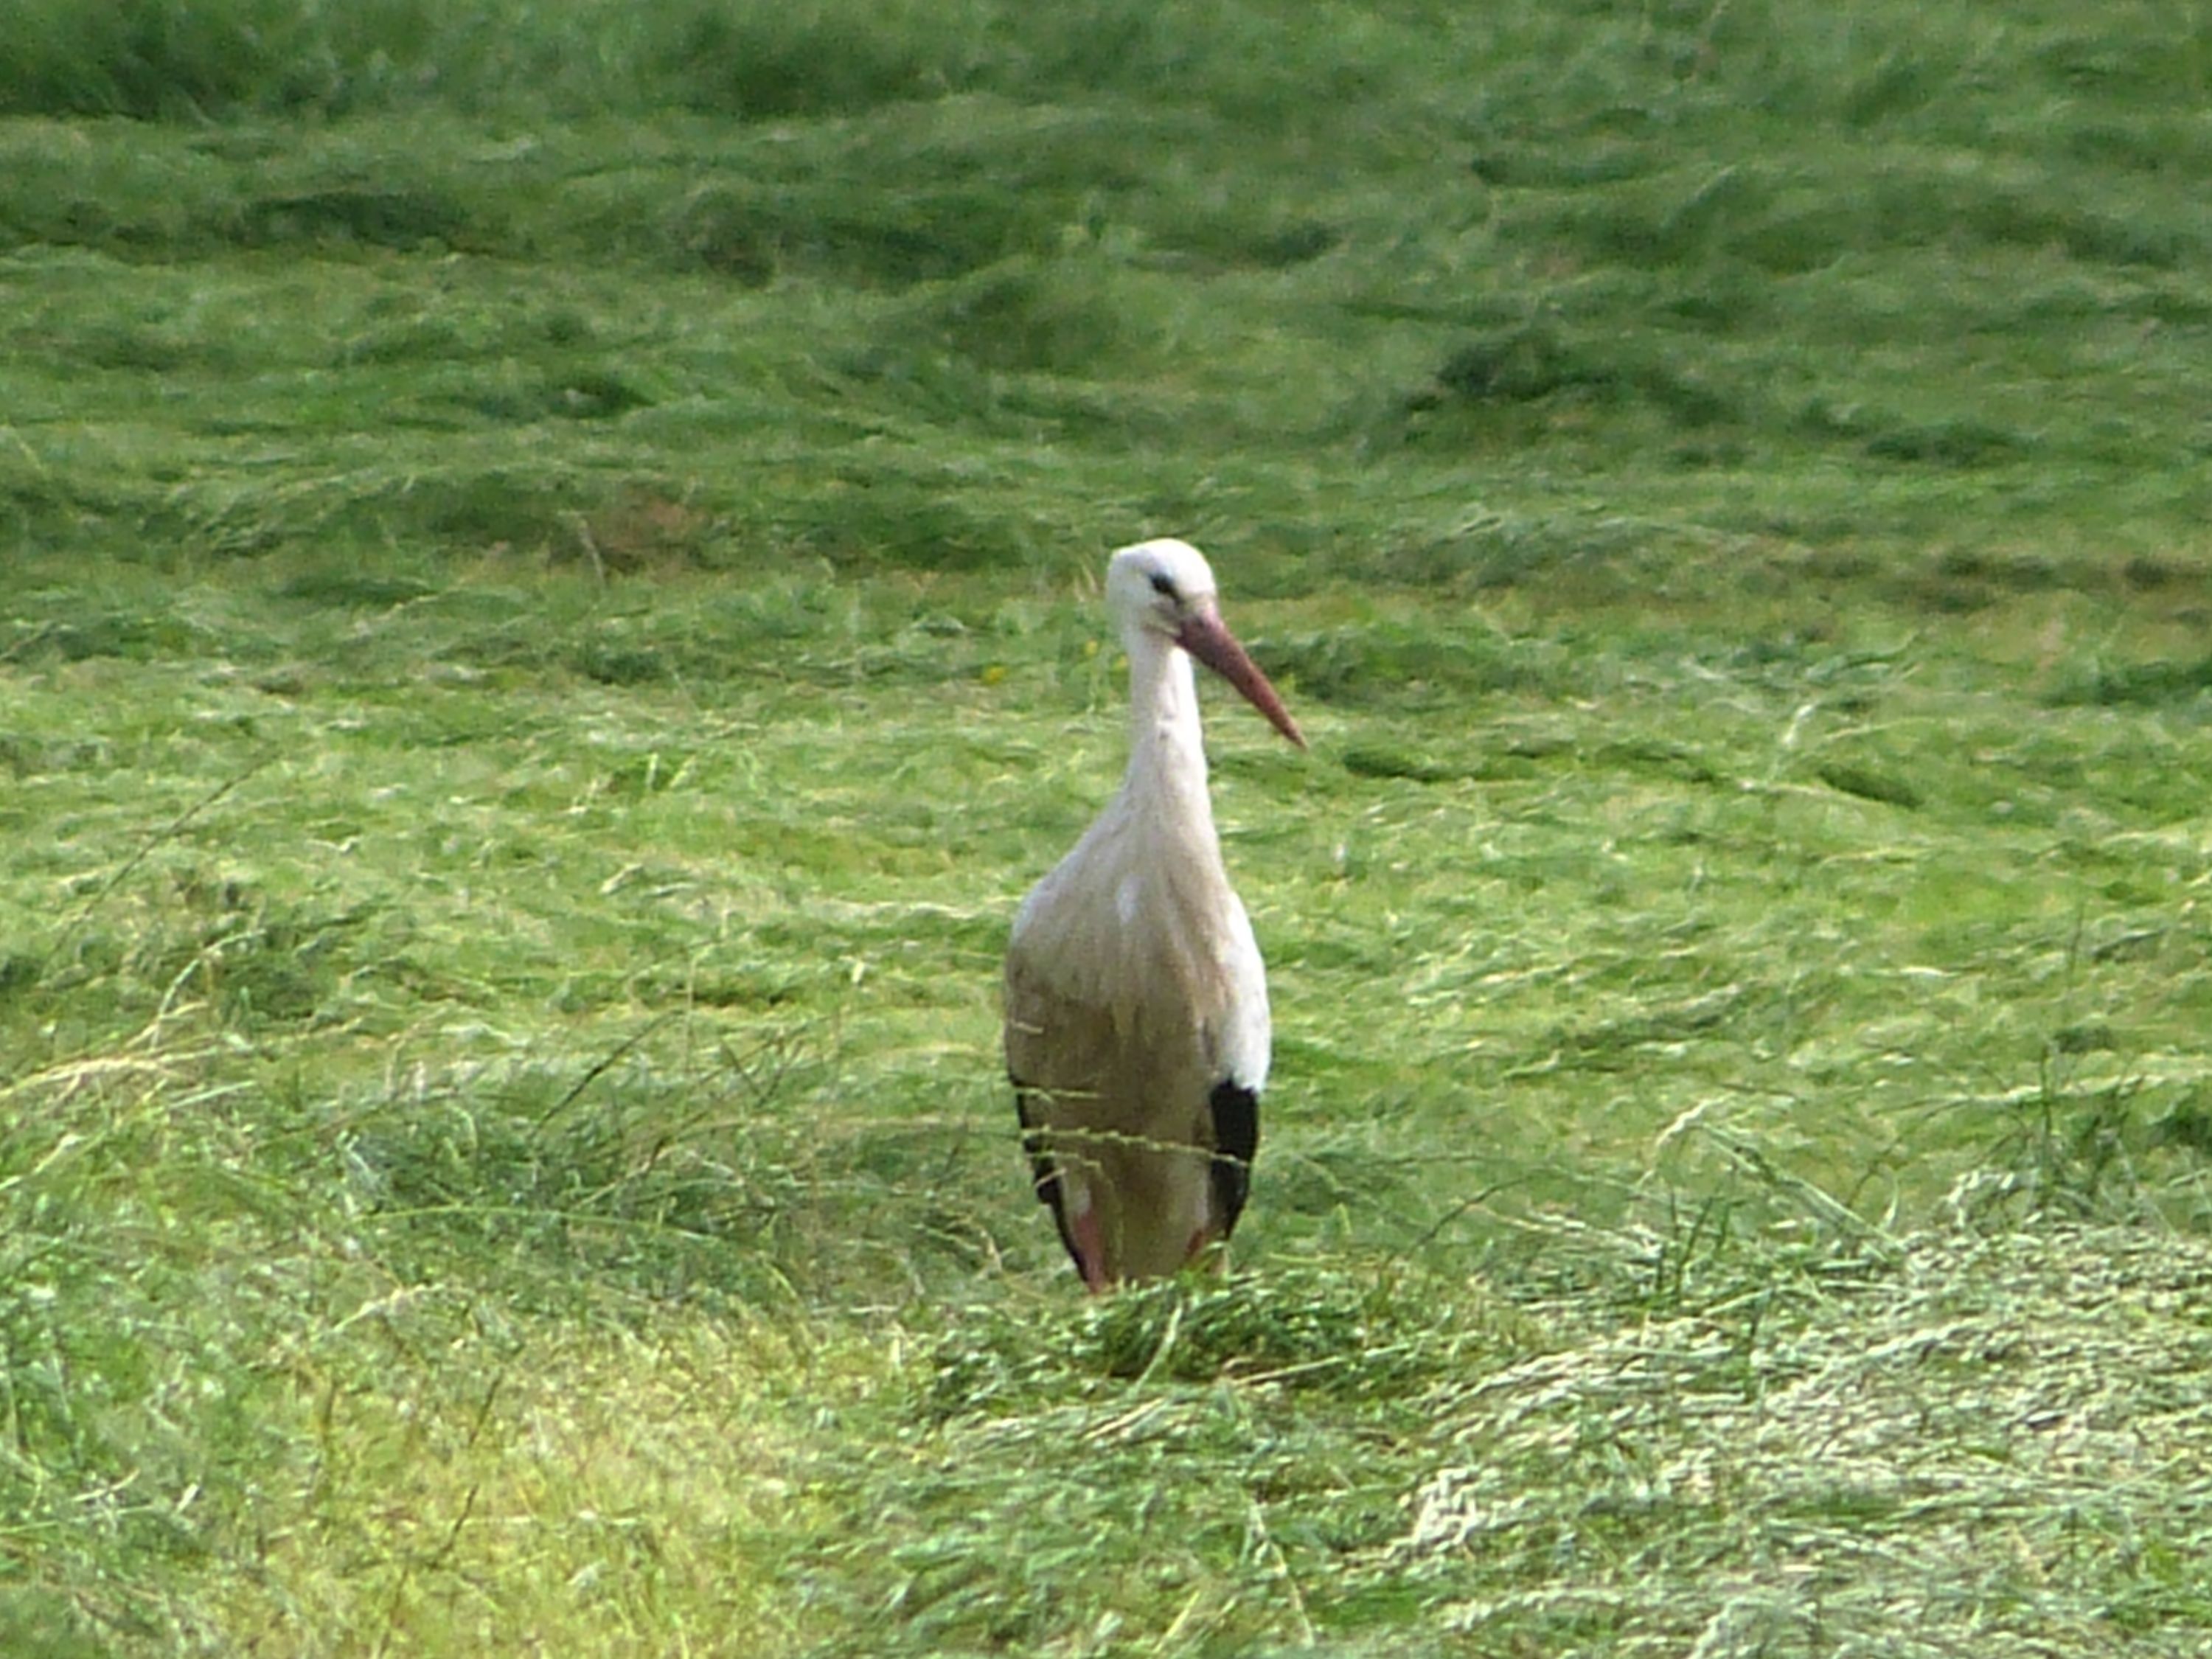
(1136, 1001)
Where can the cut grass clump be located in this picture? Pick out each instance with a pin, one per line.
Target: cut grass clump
(149, 59)
(1529, 364)
(2143, 684)
(754, 64)
(256, 962)
(1390, 661)
(1509, 386)
(400, 219)
(2085, 1142)
(1062, 318)
(1947, 443)
(1314, 1329)
(1869, 783)
(610, 1177)
(754, 234)
(164, 60)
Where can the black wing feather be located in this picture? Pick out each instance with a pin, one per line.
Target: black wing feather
(1235, 1141)
(1044, 1174)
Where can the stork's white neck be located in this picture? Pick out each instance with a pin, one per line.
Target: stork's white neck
(1167, 751)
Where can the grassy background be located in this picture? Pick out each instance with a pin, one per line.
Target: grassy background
(548, 617)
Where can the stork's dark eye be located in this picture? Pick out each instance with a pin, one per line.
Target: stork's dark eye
(1163, 584)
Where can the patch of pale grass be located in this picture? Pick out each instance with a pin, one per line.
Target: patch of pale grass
(1994, 1445)
(547, 1491)
(248, 1409)
(1181, 1468)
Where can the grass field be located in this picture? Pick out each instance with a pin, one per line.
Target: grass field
(547, 572)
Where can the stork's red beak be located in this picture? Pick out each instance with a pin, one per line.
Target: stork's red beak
(1207, 638)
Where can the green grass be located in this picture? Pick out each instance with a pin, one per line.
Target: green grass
(547, 576)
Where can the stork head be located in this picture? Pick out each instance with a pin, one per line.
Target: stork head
(1164, 589)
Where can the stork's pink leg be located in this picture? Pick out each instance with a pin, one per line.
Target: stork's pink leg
(1091, 1246)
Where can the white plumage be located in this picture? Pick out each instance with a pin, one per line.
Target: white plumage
(1136, 1027)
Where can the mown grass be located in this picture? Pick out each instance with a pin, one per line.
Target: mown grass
(549, 615)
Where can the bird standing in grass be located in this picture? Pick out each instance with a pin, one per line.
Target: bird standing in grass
(1136, 1003)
